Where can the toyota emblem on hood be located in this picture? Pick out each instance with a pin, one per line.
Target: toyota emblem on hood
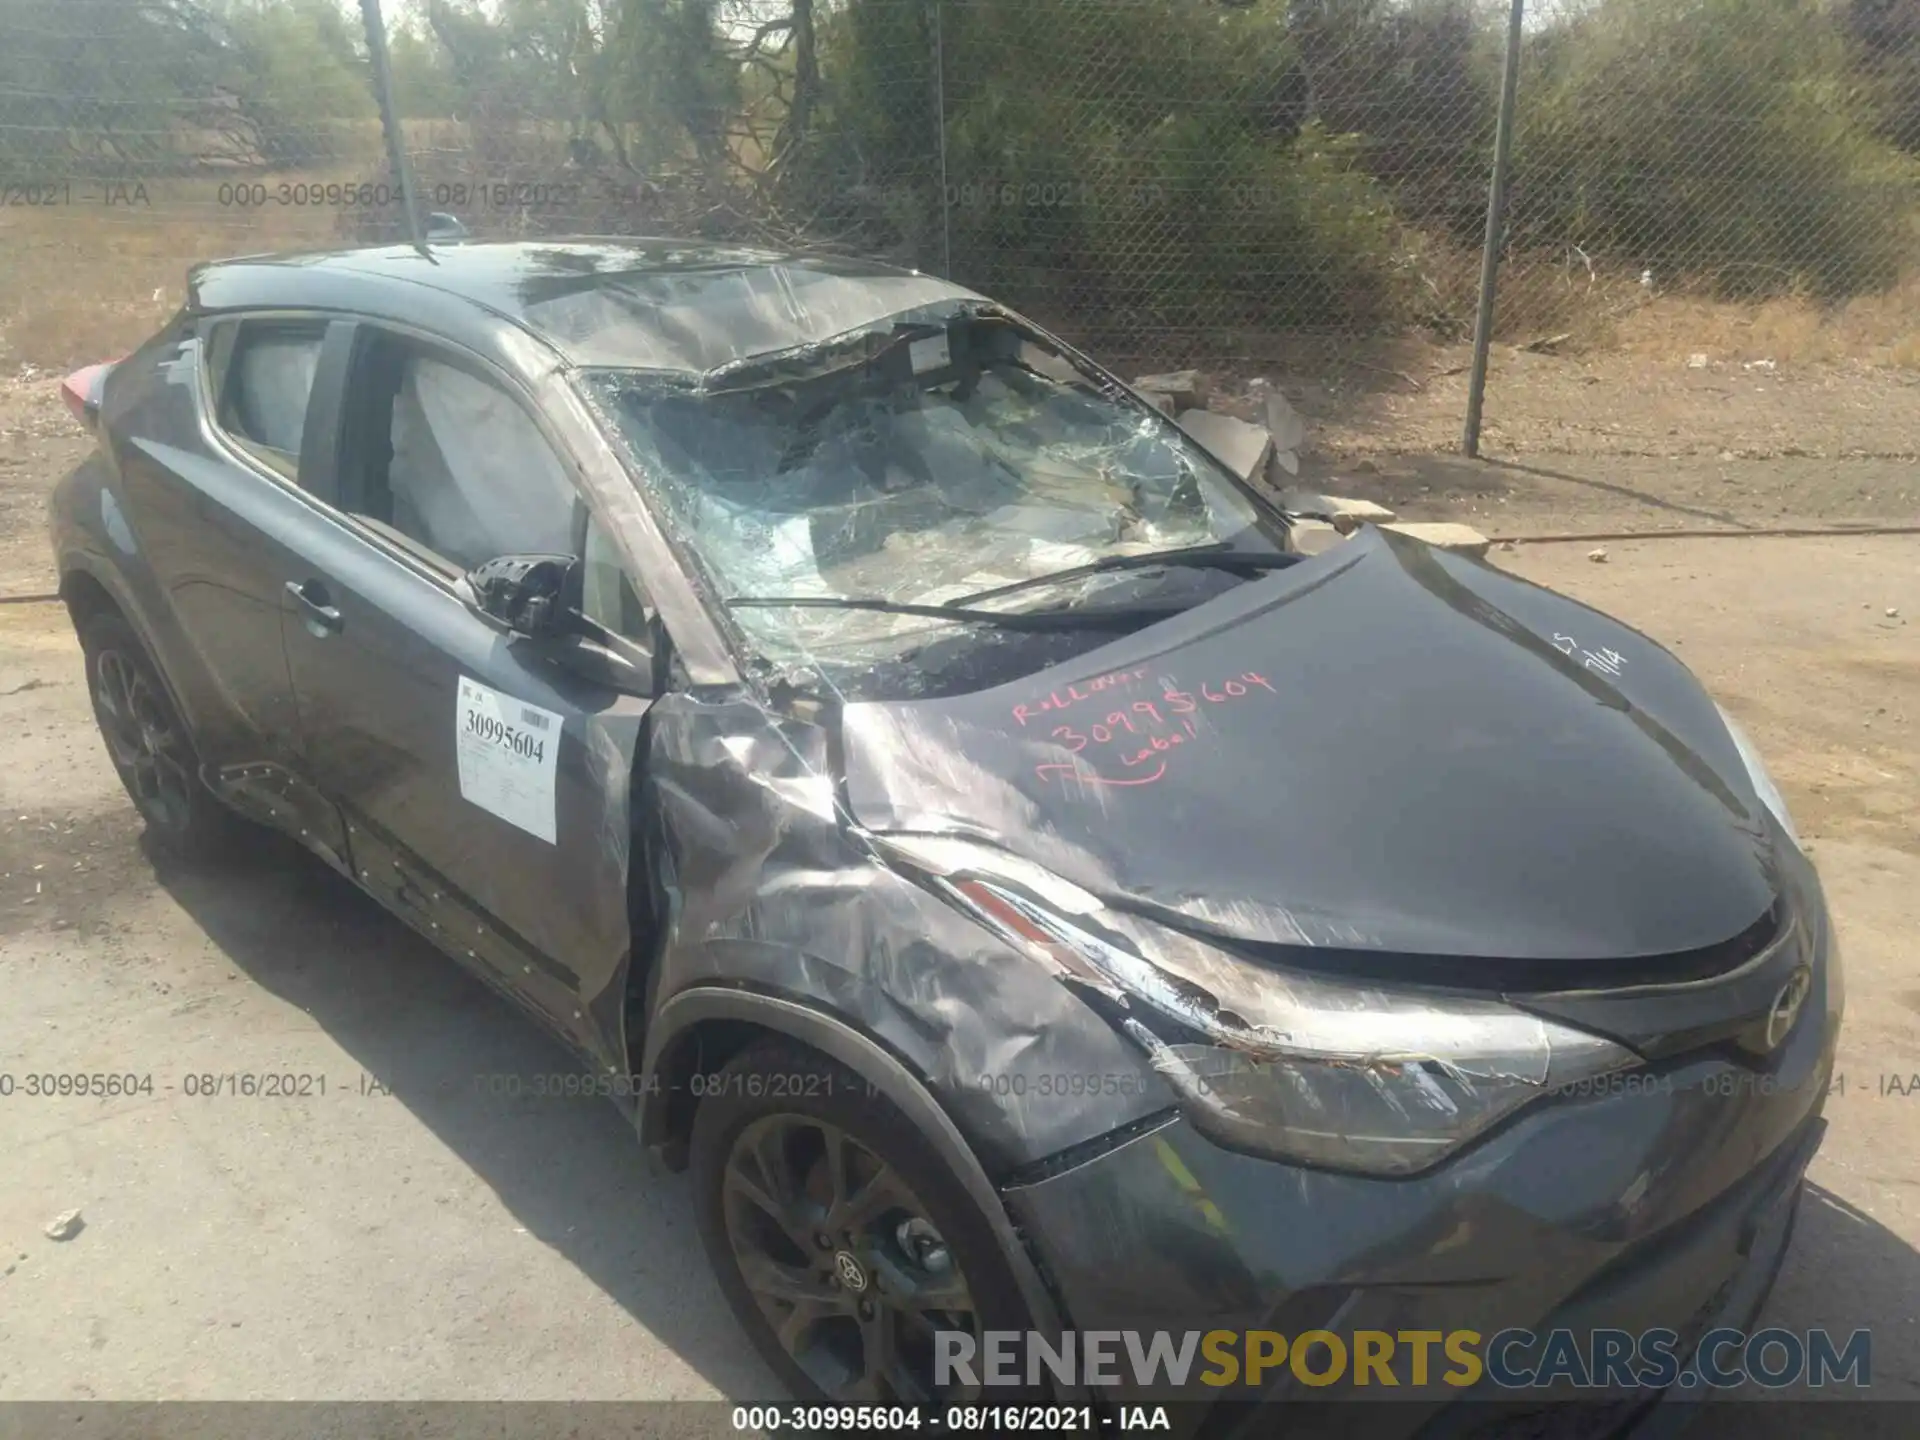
(1787, 1006)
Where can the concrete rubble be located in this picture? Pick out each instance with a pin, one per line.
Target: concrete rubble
(1255, 455)
(1344, 514)
(1289, 432)
(1272, 452)
(1463, 539)
(1314, 537)
(1175, 391)
(1242, 448)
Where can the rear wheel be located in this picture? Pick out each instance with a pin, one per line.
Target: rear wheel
(148, 741)
(842, 1241)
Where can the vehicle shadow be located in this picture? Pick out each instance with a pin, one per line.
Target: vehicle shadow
(1845, 1272)
(571, 1170)
(1624, 492)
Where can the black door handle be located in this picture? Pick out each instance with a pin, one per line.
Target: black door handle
(322, 618)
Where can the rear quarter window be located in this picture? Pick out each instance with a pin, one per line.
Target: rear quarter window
(261, 372)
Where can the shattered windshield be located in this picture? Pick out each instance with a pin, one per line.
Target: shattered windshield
(934, 465)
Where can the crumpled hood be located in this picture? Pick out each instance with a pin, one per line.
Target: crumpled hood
(1385, 748)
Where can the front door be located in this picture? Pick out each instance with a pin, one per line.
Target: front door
(486, 788)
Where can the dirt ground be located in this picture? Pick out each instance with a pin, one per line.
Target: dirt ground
(413, 1234)
(410, 1234)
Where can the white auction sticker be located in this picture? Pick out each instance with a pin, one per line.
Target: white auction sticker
(930, 353)
(508, 750)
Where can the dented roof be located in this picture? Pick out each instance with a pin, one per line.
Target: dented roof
(662, 304)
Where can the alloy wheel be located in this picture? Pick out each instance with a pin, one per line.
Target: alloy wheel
(840, 1257)
(144, 741)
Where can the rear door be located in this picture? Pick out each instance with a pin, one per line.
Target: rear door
(486, 786)
(210, 455)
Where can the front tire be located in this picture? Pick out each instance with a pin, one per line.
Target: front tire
(840, 1238)
(149, 744)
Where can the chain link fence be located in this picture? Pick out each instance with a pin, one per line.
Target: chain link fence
(1736, 149)
(1223, 183)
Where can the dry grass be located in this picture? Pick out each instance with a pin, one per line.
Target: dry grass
(1605, 311)
(85, 281)
(1586, 308)
(1881, 329)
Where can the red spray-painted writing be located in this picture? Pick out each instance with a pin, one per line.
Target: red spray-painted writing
(1133, 744)
(1076, 693)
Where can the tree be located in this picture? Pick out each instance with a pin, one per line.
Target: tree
(1127, 159)
(139, 87)
(424, 86)
(670, 92)
(1723, 140)
(299, 77)
(1888, 35)
(1417, 80)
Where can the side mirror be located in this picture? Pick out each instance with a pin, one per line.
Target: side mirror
(528, 595)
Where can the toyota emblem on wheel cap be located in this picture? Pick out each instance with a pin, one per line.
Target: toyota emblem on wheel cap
(1786, 1006)
(851, 1275)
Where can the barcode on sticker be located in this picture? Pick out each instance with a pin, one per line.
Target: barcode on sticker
(536, 719)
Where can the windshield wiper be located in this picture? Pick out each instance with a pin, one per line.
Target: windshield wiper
(1007, 620)
(1216, 557)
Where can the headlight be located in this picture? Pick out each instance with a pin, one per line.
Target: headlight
(1763, 785)
(1348, 1076)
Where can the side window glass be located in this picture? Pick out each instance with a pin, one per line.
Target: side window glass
(607, 595)
(470, 475)
(264, 381)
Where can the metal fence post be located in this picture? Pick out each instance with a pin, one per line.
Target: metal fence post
(390, 120)
(1496, 218)
(940, 132)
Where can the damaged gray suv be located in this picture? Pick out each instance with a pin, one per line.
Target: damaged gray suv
(942, 807)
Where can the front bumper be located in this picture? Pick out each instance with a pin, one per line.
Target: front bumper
(1663, 1209)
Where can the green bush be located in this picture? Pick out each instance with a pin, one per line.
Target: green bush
(1726, 142)
(1202, 229)
(1887, 36)
(1112, 164)
(1419, 82)
(302, 89)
